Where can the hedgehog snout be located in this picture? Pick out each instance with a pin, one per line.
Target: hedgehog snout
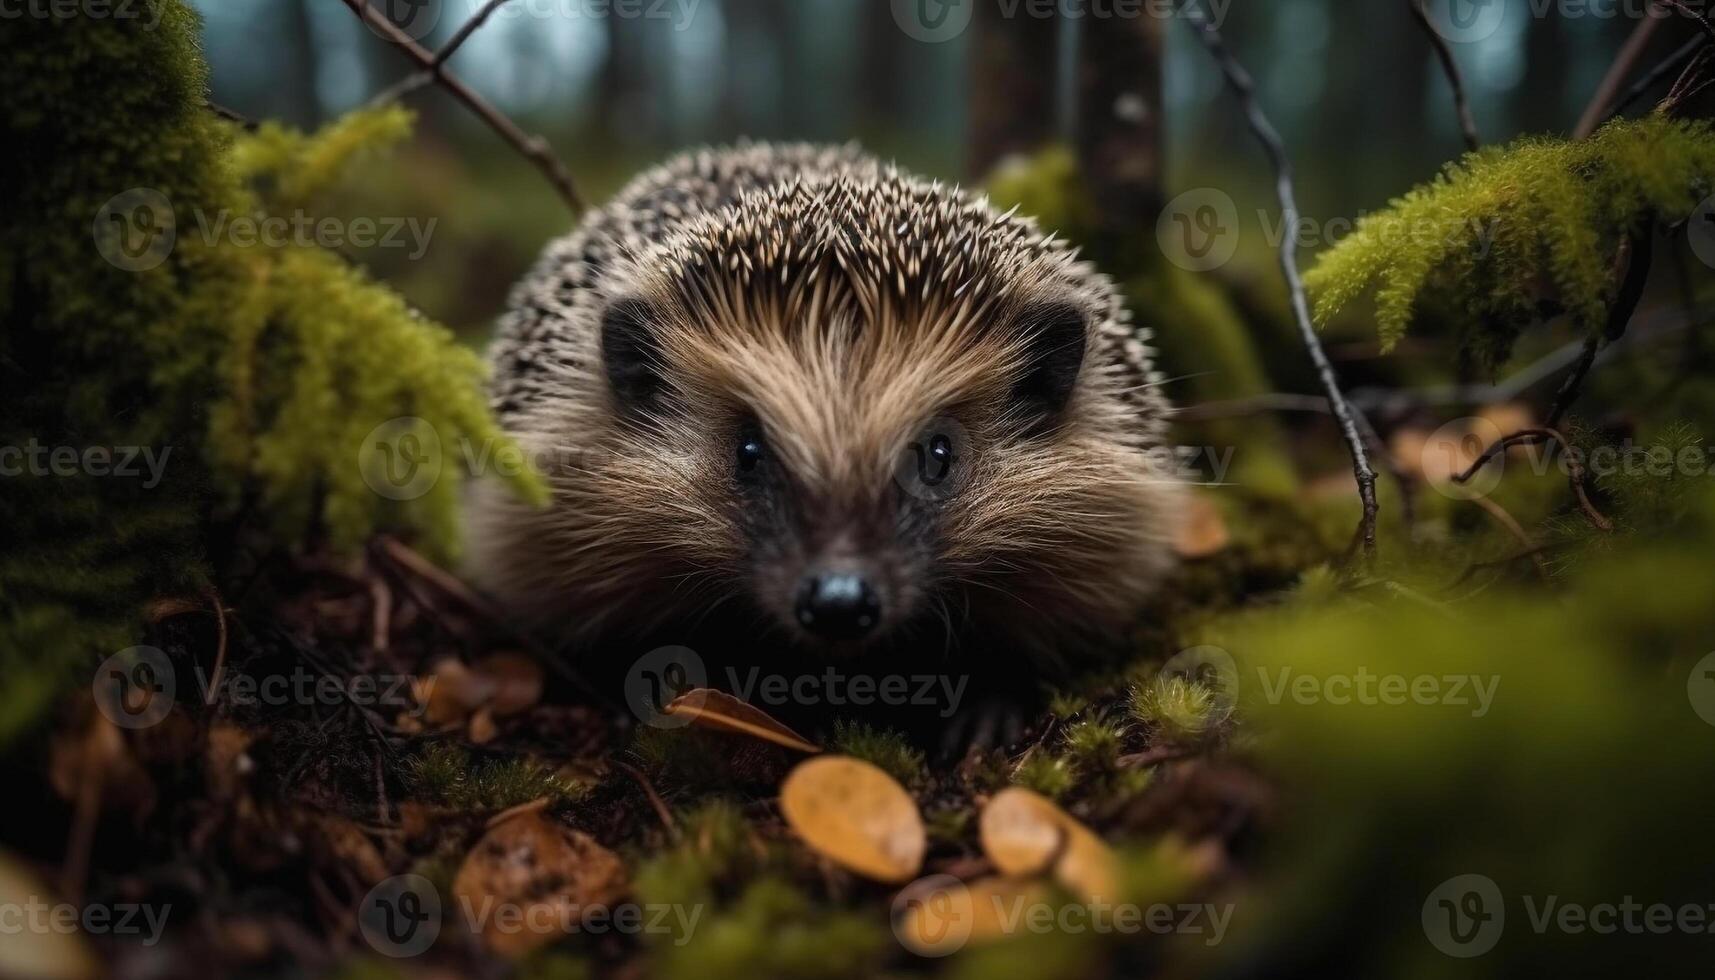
(838, 604)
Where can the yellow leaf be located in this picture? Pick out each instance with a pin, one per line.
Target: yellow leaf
(857, 816)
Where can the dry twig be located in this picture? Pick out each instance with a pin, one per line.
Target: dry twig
(1450, 66)
(1244, 88)
(533, 148)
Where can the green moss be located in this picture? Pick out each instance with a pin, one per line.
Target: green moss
(1177, 708)
(445, 773)
(886, 750)
(1051, 775)
(1500, 224)
(137, 316)
(775, 930)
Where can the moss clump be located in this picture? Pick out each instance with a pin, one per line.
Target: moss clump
(1502, 223)
(444, 773)
(1177, 708)
(775, 930)
(138, 316)
(888, 751)
(1051, 775)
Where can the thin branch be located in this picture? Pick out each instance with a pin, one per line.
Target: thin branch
(1618, 72)
(1245, 89)
(533, 148)
(1455, 78)
(1638, 254)
(428, 76)
(1575, 472)
(1675, 62)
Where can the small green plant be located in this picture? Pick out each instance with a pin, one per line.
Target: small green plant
(886, 750)
(1176, 707)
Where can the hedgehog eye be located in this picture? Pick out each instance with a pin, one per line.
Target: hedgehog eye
(750, 449)
(931, 467)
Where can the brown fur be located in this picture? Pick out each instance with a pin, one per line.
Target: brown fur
(844, 313)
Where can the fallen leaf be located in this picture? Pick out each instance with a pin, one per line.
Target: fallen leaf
(530, 880)
(39, 953)
(517, 681)
(451, 692)
(1022, 833)
(482, 727)
(1203, 531)
(1017, 824)
(856, 815)
(98, 764)
(939, 915)
(709, 708)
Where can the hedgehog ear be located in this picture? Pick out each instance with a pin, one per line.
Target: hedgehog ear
(1055, 335)
(631, 353)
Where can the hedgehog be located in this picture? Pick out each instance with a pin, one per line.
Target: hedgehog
(799, 395)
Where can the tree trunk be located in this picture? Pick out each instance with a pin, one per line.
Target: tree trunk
(1012, 86)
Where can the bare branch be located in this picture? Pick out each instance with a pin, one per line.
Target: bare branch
(1575, 472)
(1618, 72)
(1244, 88)
(533, 148)
(1674, 63)
(1637, 253)
(1450, 66)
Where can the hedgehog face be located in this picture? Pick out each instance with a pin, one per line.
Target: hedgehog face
(872, 479)
(865, 413)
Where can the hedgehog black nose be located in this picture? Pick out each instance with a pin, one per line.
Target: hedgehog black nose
(838, 605)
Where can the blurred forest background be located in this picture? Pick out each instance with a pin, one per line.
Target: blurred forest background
(1354, 87)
